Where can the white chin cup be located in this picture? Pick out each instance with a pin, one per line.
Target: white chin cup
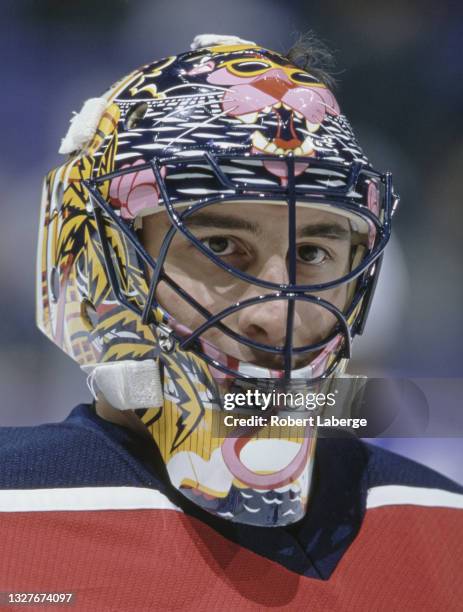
(126, 385)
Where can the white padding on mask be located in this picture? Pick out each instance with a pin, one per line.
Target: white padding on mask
(126, 385)
(213, 40)
(83, 125)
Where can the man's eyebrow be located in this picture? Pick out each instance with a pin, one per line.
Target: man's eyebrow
(230, 222)
(221, 222)
(324, 230)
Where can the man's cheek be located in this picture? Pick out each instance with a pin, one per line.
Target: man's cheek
(337, 297)
(169, 299)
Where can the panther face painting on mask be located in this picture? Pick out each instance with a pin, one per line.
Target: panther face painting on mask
(216, 221)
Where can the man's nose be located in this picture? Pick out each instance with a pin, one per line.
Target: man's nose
(266, 321)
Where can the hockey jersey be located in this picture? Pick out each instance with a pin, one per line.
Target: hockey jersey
(86, 508)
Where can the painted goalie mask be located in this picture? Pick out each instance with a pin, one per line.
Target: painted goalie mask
(160, 257)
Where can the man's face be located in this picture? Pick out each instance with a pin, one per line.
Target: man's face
(253, 238)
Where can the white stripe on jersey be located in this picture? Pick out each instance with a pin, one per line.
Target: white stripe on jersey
(83, 498)
(399, 495)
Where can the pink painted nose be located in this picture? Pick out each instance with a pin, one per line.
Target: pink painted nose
(274, 82)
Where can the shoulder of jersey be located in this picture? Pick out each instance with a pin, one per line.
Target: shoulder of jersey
(76, 452)
(394, 480)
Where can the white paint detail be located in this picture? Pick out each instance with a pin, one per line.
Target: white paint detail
(248, 117)
(275, 501)
(213, 474)
(245, 495)
(126, 155)
(267, 454)
(207, 134)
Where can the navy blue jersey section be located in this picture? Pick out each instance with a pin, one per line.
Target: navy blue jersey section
(386, 468)
(82, 451)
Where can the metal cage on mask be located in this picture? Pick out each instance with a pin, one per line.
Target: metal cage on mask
(348, 196)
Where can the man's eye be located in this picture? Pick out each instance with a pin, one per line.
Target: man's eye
(315, 255)
(220, 245)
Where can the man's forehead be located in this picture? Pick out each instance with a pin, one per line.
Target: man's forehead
(260, 219)
(264, 213)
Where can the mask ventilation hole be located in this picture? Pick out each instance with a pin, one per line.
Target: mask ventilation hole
(54, 284)
(60, 193)
(135, 116)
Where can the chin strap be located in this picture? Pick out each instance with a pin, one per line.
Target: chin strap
(126, 385)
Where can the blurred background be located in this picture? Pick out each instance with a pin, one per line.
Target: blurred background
(398, 67)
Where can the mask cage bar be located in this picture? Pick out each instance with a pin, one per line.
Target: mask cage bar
(288, 350)
(289, 291)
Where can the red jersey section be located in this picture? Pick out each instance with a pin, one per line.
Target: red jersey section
(404, 558)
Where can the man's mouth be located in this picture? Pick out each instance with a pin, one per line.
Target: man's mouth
(277, 362)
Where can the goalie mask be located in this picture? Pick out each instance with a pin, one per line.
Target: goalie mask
(215, 225)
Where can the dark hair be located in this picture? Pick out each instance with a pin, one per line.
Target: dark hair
(311, 54)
